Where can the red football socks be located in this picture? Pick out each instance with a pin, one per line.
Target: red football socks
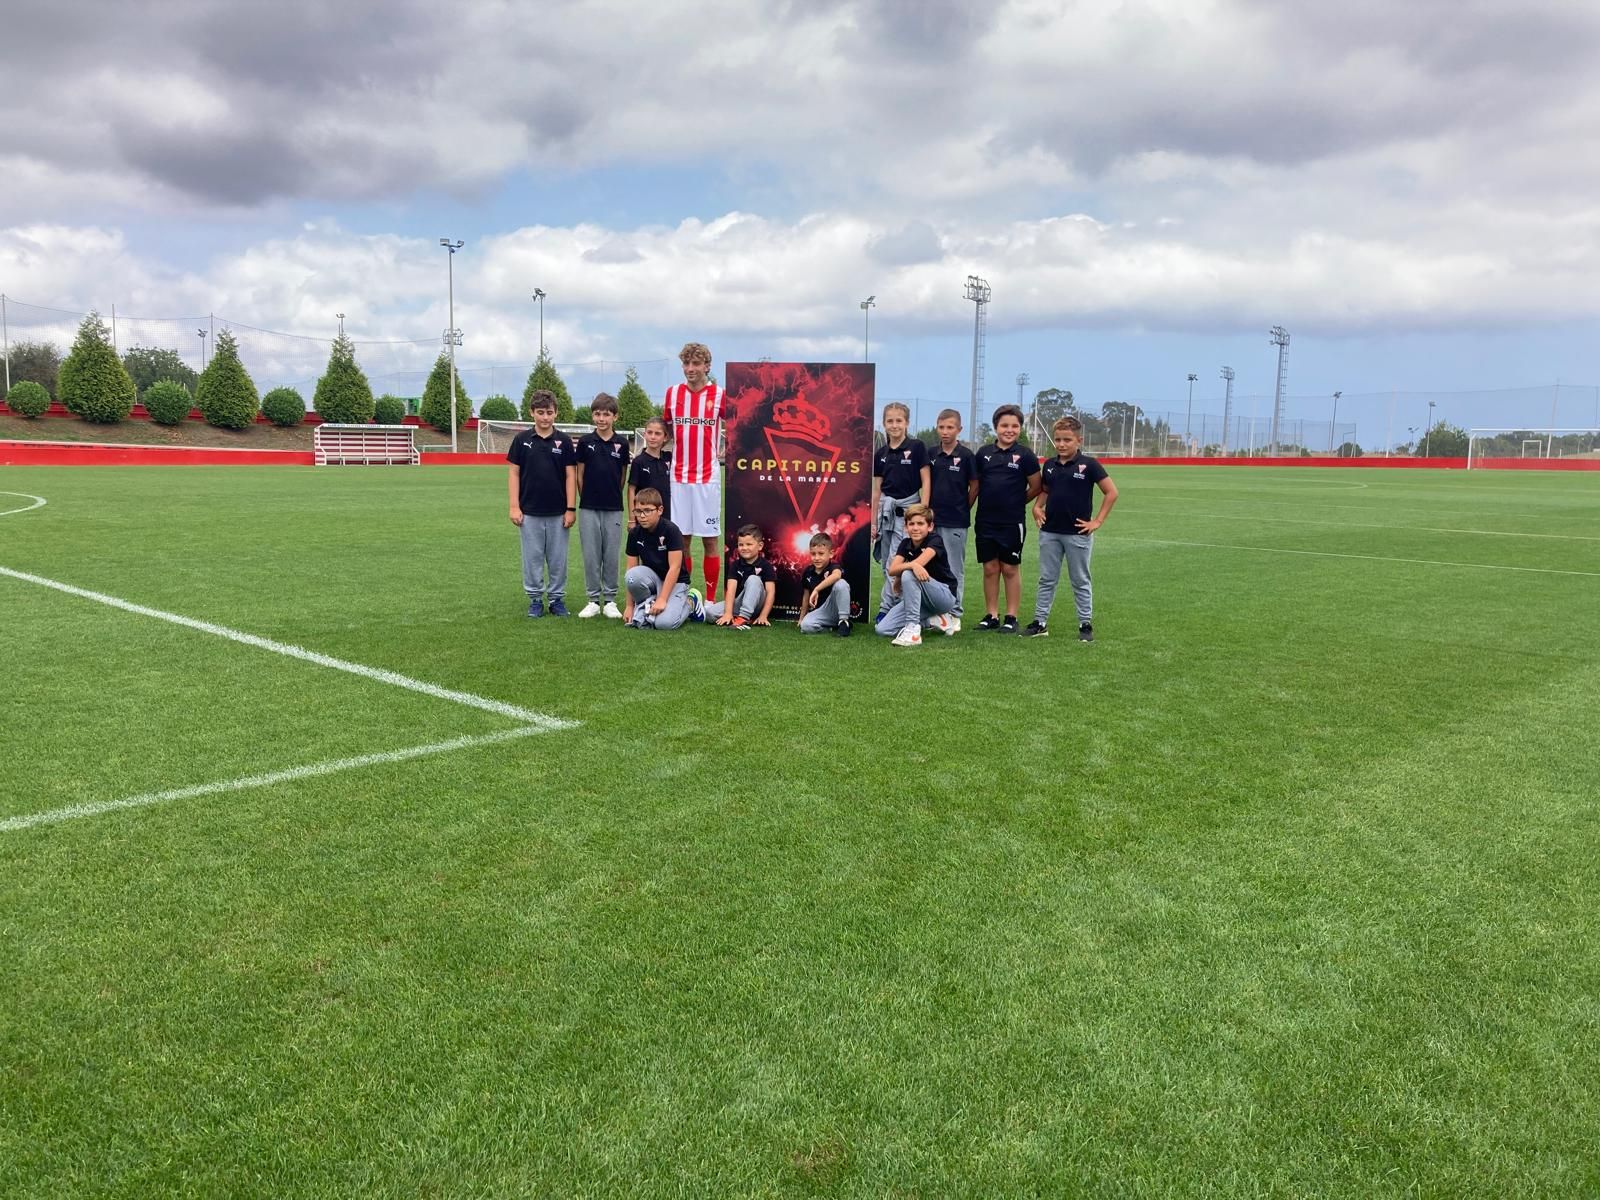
(713, 573)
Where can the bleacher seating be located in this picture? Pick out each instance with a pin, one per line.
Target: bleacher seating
(365, 445)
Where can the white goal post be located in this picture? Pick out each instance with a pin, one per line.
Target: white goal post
(494, 437)
(1487, 447)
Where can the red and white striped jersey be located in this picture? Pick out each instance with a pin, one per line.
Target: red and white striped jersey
(695, 421)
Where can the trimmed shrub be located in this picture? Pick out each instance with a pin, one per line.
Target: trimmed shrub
(582, 416)
(28, 399)
(147, 365)
(544, 375)
(633, 404)
(435, 409)
(93, 382)
(343, 394)
(388, 410)
(167, 402)
(225, 394)
(497, 408)
(284, 407)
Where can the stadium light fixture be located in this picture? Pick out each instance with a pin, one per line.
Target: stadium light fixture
(1333, 426)
(452, 335)
(202, 333)
(1427, 438)
(539, 295)
(867, 306)
(1188, 416)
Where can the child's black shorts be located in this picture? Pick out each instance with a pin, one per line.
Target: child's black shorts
(1002, 544)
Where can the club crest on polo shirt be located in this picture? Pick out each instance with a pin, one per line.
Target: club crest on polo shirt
(616, 451)
(1015, 459)
(555, 446)
(906, 457)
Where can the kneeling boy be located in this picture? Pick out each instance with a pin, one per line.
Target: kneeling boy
(752, 584)
(657, 596)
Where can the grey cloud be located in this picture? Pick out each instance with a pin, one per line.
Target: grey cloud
(906, 247)
(926, 27)
(232, 168)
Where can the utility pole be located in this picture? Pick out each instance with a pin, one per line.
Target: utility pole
(452, 336)
(866, 326)
(978, 291)
(1188, 416)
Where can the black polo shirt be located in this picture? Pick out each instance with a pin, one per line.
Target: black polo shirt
(739, 571)
(649, 471)
(900, 467)
(605, 464)
(938, 566)
(651, 546)
(544, 462)
(950, 474)
(1003, 485)
(1069, 492)
(812, 577)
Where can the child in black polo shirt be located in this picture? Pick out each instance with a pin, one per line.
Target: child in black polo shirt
(824, 593)
(657, 596)
(1065, 515)
(1008, 477)
(544, 488)
(952, 471)
(602, 464)
(653, 467)
(899, 479)
(752, 584)
(927, 587)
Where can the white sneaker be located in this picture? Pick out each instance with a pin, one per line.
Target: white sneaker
(944, 623)
(909, 636)
(610, 610)
(954, 626)
(590, 609)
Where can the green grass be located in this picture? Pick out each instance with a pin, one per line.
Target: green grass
(1285, 886)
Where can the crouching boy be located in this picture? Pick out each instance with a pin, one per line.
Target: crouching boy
(752, 584)
(923, 580)
(657, 596)
(824, 595)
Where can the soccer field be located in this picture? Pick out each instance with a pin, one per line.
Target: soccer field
(359, 883)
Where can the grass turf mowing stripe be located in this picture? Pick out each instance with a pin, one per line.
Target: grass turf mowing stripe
(393, 678)
(1423, 562)
(331, 767)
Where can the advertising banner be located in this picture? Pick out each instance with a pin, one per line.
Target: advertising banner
(799, 462)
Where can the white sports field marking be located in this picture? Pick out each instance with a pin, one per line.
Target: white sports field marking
(38, 502)
(393, 678)
(1424, 562)
(332, 766)
(1560, 537)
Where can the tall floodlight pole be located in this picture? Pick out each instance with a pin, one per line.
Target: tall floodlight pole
(539, 295)
(978, 291)
(1333, 426)
(1280, 339)
(341, 323)
(5, 339)
(1227, 406)
(202, 333)
(452, 336)
(1022, 382)
(866, 326)
(1188, 416)
(1427, 438)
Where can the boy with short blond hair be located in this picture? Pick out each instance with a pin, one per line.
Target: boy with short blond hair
(544, 491)
(899, 479)
(752, 584)
(1064, 513)
(953, 487)
(824, 592)
(602, 466)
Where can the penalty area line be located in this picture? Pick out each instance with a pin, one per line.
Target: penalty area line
(1422, 562)
(393, 678)
(330, 767)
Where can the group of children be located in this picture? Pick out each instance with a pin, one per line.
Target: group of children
(922, 506)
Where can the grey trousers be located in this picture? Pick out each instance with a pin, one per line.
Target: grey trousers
(600, 537)
(835, 607)
(891, 532)
(644, 585)
(955, 548)
(1075, 547)
(918, 601)
(544, 552)
(747, 604)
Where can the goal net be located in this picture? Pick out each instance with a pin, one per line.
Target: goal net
(494, 437)
(1511, 448)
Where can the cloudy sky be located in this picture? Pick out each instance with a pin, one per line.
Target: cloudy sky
(1412, 189)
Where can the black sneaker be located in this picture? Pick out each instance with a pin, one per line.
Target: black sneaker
(1086, 632)
(1036, 629)
(989, 622)
(1009, 625)
(842, 629)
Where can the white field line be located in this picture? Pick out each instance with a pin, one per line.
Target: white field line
(1560, 537)
(332, 766)
(393, 678)
(38, 502)
(1423, 562)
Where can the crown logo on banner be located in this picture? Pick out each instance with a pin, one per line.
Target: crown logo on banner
(800, 418)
